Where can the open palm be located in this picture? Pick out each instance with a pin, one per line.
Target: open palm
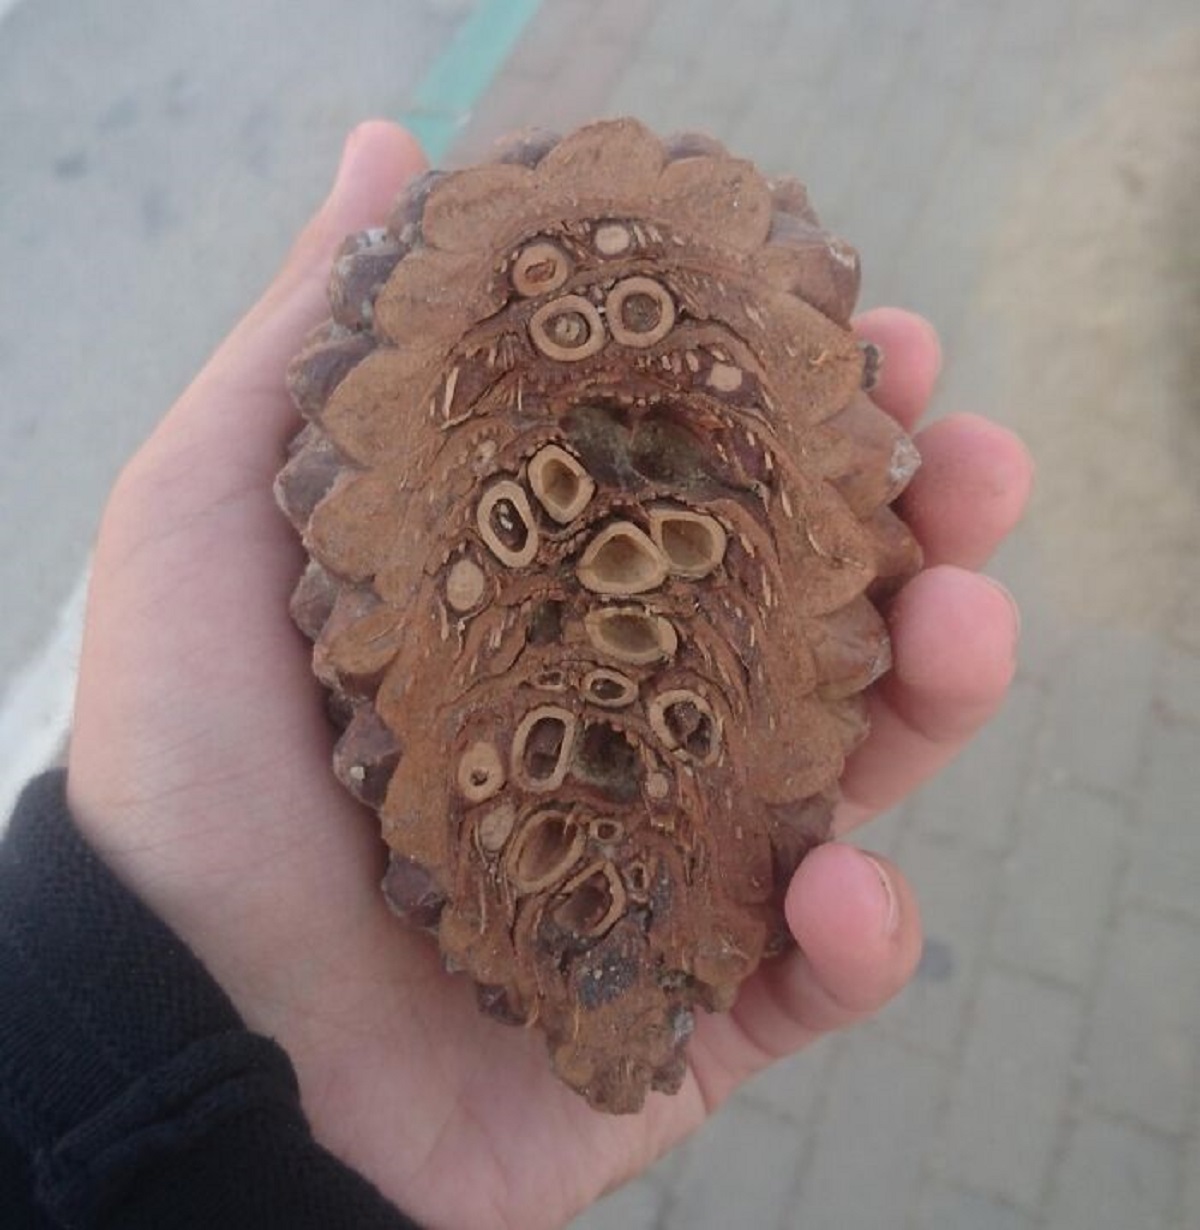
(199, 770)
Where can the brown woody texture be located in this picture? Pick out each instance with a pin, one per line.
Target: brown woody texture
(597, 509)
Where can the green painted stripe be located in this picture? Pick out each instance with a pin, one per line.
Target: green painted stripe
(458, 77)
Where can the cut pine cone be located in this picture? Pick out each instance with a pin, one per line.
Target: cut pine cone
(598, 517)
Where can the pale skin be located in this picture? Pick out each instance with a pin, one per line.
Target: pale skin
(199, 768)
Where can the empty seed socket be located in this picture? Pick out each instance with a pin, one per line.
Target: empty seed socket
(542, 747)
(693, 543)
(560, 483)
(621, 560)
(631, 634)
(595, 899)
(686, 725)
(546, 848)
(540, 269)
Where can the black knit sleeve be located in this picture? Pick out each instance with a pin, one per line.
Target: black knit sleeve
(131, 1094)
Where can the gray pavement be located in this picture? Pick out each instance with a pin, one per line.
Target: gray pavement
(156, 161)
(1022, 171)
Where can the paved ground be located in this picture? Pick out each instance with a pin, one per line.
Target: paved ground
(154, 168)
(1023, 171)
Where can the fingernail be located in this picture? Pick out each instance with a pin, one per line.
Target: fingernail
(891, 915)
(1003, 589)
(345, 161)
(935, 338)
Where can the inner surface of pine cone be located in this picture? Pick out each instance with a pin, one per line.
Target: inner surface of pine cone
(597, 510)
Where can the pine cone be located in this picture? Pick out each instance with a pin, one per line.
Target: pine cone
(598, 514)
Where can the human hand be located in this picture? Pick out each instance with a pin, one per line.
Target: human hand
(199, 769)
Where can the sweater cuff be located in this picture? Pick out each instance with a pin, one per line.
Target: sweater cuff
(126, 1074)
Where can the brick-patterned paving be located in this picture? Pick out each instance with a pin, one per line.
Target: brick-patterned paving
(1041, 1072)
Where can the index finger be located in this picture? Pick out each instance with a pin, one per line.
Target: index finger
(954, 637)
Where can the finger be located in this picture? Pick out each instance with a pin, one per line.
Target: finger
(912, 359)
(858, 928)
(954, 637)
(241, 388)
(970, 491)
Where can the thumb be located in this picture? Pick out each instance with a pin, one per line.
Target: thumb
(193, 562)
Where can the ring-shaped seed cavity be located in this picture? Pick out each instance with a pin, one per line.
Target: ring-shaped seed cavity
(543, 746)
(622, 559)
(606, 830)
(595, 899)
(563, 487)
(464, 585)
(631, 634)
(568, 329)
(685, 723)
(640, 312)
(546, 847)
(612, 238)
(540, 268)
(505, 523)
(609, 689)
(693, 543)
(480, 772)
(494, 828)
